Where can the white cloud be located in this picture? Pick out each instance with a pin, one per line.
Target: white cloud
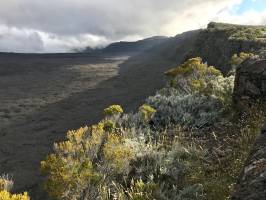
(29, 40)
(19, 40)
(61, 25)
(251, 17)
(56, 43)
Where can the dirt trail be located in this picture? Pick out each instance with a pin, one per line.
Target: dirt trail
(43, 96)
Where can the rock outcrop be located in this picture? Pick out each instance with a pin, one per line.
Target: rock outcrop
(250, 88)
(250, 82)
(252, 182)
(219, 42)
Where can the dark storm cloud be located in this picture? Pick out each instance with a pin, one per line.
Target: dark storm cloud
(66, 22)
(110, 18)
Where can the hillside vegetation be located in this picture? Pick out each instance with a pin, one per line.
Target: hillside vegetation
(241, 32)
(6, 185)
(186, 142)
(220, 41)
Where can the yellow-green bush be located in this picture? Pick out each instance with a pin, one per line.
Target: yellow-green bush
(5, 195)
(194, 76)
(238, 59)
(70, 169)
(90, 158)
(117, 154)
(113, 110)
(109, 126)
(249, 34)
(6, 185)
(193, 65)
(147, 111)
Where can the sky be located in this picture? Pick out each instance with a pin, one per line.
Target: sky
(48, 26)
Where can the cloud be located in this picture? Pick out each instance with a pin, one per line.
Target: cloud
(29, 40)
(19, 40)
(58, 43)
(250, 17)
(61, 25)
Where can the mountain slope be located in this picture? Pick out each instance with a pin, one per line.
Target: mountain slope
(219, 42)
(126, 48)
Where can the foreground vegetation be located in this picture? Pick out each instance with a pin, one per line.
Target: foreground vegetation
(6, 185)
(186, 142)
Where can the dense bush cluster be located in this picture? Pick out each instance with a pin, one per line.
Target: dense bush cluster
(151, 154)
(191, 110)
(196, 77)
(198, 95)
(112, 110)
(119, 164)
(250, 34)
(238, 59)
(240, 32)
(6, 185)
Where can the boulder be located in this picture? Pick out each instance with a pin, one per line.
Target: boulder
(250, 82)
(252, 182)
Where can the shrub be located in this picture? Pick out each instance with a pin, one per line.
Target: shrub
(198, 96)
(109, 126)
(113, 110)
(190, 110)
(167, 170)
(91, 158)
(6, 185)
(117, 154)
(194, 76)
(140, 190)
(238, 59)
(249, 34)
(193, 65)
(91, 163)
(70, 169)
(222, 89)
(147, 111)
(5, 195)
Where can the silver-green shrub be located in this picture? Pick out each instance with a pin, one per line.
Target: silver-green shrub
(192, 110)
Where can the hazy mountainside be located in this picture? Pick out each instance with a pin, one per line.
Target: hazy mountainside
(219, 42)
(126, 48)
(176, 48)
(215, 45)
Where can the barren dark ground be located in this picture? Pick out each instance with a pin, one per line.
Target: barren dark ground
(43, 96)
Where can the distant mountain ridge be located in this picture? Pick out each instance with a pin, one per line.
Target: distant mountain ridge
(215, 45)
(124, 47)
